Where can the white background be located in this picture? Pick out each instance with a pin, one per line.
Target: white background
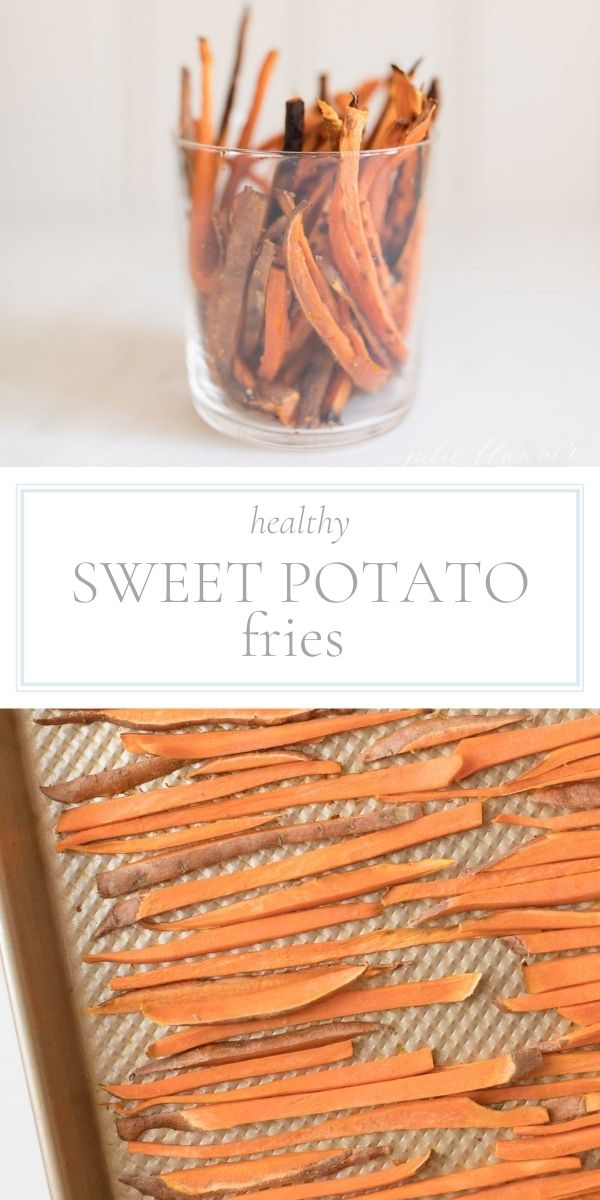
(18, 1140)
(91, 287)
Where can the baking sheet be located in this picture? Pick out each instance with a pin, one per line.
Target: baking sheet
(46, 936)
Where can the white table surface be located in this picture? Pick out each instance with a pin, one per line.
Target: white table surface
(92, 373)
(22, 1170)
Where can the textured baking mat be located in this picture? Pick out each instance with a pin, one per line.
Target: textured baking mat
(460, 1032)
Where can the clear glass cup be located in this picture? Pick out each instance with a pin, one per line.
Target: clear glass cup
(304, 273)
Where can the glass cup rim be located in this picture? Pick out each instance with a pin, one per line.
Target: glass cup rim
(284, 155)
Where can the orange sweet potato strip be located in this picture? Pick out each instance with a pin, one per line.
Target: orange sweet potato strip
(449, 990)
(223, 134)
(574, 889)
(277, 326)
(588, 818)
(480, 881)
(138, 804)
(572, 1142)
(272, 1064)
(229, 1178)
(429, 1086)
(247, 1049)
(154, 842)
(234, 741)
(495, 748)
(520, 919)
(350, 1184)
(232, 937)
(203, 245)
(295, 866)
(244, 762)
(581, 1014)
(557, 997)
(318, 303)
(555, 941)
(247, 135)
(435, 731)
(240, 999)
(349, 243)
(587, 1035)
(561, 972)
(155, 720)
(281, 958)
(541, 1092)
(133, 877)
(382, 1070)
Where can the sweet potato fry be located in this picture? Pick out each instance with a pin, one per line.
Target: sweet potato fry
(587, 818)
(234, 999)
(562, 972)
(112, 782)
(157, 720)
(234, 741)
(558, 997)
(450, 990)
(540, 1092)
(495, 748)
(587, 1035)
(119, 808)
(520, 919)
(276, 326)
(244, 762)
(256, 299)
(203, 244)
(275, 1064)
(223, 134)
(134, 876)
(233, 937)
(435, 731)
(581, 1014)
(257, 1048)
(527, 1149)
(350, 1184)
(318, 303)
(429, 1086)
(229, 1178)
(349, 244)
(227, 293)
(381, 1070)
(178, 839)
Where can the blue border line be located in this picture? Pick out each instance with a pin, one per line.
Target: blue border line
(243, 489)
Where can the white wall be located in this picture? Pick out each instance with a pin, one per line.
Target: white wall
(88, 94)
